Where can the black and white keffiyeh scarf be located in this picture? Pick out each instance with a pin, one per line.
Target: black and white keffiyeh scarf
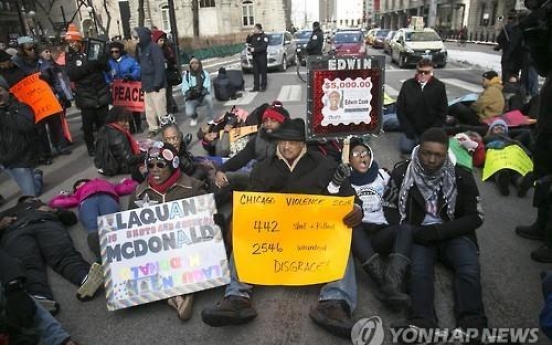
(429, 184)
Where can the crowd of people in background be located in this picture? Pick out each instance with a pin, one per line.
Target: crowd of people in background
(427, 208)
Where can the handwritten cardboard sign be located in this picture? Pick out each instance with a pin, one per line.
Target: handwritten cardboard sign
(290, 239)
(161, 250)
(239, 132)
(128, 95)
(37, 94)
(511, 157)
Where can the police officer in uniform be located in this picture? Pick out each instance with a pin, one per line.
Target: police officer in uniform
(316, 41)
(258, 42)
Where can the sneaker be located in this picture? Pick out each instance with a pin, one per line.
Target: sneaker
(232, 310)
(543, 254)
(193, 122)
(50, 305)
(183, 305)
(93, 281)
(334, 316)
(531, 232)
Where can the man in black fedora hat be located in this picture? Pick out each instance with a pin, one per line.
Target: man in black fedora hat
(296, 169)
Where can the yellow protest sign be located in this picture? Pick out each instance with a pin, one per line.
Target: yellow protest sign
(511, 157)
(240, 132)
(290, 239)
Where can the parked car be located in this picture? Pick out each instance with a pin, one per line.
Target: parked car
(387, 42)
(380, 35)
(370, 36)
(410, 46)
(301, 39)
(281, 52)
(349, 43)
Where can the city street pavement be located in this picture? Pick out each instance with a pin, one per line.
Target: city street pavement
(510, 279)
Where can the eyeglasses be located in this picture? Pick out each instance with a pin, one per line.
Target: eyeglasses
(115, 52)
(360, 154)
(424, 72)
(159, 164)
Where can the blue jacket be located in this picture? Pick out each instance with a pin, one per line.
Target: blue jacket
(126, 66)
(152, 62)
(189, 81)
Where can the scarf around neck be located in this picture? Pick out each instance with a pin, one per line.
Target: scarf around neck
(360, 179)
(428, 184)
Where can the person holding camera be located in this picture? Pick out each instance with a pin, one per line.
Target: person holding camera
(196, 88)
(92, 94)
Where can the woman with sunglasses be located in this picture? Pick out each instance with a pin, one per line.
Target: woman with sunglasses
(166, 182)
(375, 237)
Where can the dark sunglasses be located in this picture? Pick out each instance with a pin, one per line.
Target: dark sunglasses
(115, 51)
(159, 164)
(421, 71)
(31, 49)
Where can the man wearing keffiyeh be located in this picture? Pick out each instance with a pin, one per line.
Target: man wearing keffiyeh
(441, 202)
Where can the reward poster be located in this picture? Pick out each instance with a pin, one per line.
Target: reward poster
(345, 95)
(161, 250)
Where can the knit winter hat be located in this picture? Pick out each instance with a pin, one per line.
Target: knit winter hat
(117, 45)
(498, 122)
(73, 33)
(24, 40)
(490, 75)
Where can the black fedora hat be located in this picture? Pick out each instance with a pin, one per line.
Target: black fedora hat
(292, 129)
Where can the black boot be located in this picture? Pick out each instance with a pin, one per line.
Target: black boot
(393, 282)
(374, 268)
(534, 231)
(502, 179)
(523, 184)
(91, 150)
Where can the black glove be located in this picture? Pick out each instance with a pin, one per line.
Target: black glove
(426, 234)
(341, 173)
(20, 307)
(354, 218)
(156, 89)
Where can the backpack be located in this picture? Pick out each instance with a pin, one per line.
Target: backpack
(104, 160)
(224, 89)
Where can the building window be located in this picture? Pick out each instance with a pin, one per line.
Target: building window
(494, 12)
(484, 19)
(248, 13)
(165, 19)
(206, 3)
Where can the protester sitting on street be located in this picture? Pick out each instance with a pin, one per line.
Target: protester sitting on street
(481, 112)
(124, 67)
(23, 319)
(117, 152)
(17, 142)
(196, 88)
(91, 90)
(172, 135)
(223, 86)
(36, 235)
(497, 138)
(421, 104)
(165, 182)
(441, 202)
(375, 237)
(258, 148)
(294, 169)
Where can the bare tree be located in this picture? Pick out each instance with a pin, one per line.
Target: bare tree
(46, 7)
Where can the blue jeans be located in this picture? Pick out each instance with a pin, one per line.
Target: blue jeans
(29, 180)
(406, 145)
(391, 123)
(460, 254)
(192, 104)
(51, 331)
(343, 289)
(95, 206)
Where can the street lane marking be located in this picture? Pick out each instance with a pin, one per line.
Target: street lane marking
(290, 93)
(246, 99)
(391, 91)
(463, 84)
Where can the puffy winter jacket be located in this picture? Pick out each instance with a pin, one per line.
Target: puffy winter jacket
(17, 135)
(91, 90)
(92, 187)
